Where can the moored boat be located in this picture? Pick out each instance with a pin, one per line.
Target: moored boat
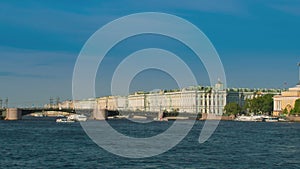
(64, 120)
(249, 118)
(282, 120)
(270, 119)
(77, 117)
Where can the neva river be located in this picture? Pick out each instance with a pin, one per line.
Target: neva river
(32, 143)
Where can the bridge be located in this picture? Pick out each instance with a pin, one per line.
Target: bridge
(103, 114)
(17, 113)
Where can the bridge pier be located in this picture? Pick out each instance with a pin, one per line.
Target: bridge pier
(100, 114)
(13, 114)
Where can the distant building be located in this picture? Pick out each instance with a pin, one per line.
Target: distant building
(136, 102)
(195, 99)
(286, 100)
(68, 104)
(112, 103)
(122, 102)
(158, 101)
(102, 103)
(85, 104)
(190, 100)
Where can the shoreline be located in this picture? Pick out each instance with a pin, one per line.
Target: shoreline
(204, 117)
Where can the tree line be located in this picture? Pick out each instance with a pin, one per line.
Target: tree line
(258, 105)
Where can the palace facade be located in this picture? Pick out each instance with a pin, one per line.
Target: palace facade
(197, 99)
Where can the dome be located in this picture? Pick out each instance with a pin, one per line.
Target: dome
(220, 82)
(219, 85)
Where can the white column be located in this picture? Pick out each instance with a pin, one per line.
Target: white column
(212, 103)
(216, 106)
(203, 103)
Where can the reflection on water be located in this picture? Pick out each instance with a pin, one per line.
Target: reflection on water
(36, 143)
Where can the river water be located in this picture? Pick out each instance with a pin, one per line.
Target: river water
(43, 143)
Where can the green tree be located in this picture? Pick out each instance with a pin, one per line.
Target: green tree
(292, 112)
(297, 106)
(261, 104)
(253, 106)
(296, 109)
(285, 111)
(232, 109)
(267, 104)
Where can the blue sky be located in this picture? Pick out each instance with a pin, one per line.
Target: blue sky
(258, 42)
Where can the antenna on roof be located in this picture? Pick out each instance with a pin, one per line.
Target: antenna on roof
(285, 84)
(299, 70)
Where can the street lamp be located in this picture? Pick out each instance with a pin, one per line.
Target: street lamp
(299, 70)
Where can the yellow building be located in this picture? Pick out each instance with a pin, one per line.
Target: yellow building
(286, 100)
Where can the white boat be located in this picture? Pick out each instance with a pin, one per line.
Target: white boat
(270, 119)
(81, 117)
(77, 117)
(64, 120)
(282, 120)
(248, 118)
